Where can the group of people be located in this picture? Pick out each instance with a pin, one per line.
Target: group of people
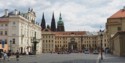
(6, 56)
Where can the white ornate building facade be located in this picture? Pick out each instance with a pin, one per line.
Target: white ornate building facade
(18, 29)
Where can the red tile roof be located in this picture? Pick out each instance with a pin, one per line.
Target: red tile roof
(119, 14)
(71, 33)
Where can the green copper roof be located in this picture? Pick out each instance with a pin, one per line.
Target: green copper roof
(60, 22)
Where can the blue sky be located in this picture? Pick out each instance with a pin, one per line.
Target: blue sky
(78, 15)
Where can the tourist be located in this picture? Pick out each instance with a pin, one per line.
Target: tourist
(17, 55)
(9, 54)
(4, 55)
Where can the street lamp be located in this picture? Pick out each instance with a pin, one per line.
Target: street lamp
(82, 44)
(101, 37)
(10, 45)
(35, 42)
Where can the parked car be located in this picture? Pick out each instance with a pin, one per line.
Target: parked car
(95, 52)
(86, 51)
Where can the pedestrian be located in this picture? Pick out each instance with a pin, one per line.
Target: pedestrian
(17, 55)
(9, 54)
(1, 55)
(4, 55)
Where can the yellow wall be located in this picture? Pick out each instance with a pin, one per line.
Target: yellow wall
(5, 47)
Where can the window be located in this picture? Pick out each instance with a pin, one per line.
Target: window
(119, 28)
(105, 45)
(105, 40)
(6, 24)
(13, 23)
(13, 41)
(0, 41)
(1, 32)
(1, 24)
(5, 41)
(5, 32)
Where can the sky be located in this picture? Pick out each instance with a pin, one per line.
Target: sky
(77, 15)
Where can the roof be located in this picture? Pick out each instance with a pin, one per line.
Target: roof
(4, 19)
(71, 33)
(119, 14)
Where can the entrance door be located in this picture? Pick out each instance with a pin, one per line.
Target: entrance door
(72, 47)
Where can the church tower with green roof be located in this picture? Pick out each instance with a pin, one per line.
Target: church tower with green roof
(60, 24)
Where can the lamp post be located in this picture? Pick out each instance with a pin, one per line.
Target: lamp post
(101, 36)
(10, 46)
(35, 42)
(81, 43)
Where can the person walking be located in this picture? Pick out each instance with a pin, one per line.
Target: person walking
(9, 54)
(1, 55)
(4, 56)
(17, 55)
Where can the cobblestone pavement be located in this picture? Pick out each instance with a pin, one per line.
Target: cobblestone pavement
(112, 59)
(56, 58)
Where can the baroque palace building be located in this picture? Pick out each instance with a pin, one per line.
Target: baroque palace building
(57, 39)
(17, 31)
(115, 27)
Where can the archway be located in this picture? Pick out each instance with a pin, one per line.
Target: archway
(21, 50)
(72, 45)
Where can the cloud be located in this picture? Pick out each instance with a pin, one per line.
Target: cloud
(76, 14)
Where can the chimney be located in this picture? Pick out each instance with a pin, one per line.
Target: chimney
(6, 12)
(16, 12)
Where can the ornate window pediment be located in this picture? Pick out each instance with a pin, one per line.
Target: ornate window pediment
(72, 39)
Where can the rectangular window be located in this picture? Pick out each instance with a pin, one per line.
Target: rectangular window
(5, 41)
(0, 41)
(13, 23)
(119, 28)
(105, 45)
(13, 41)
(6, 24)
(5, 32)
(1, 32)
(1, 24)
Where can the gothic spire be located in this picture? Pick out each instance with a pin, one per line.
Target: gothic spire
(53, 25)
(43, 23)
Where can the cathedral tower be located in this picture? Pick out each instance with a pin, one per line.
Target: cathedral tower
(43, 23)
(60, 24)
(53, 25)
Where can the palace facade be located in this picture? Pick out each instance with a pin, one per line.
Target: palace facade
(57, 39)
(17, 30)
